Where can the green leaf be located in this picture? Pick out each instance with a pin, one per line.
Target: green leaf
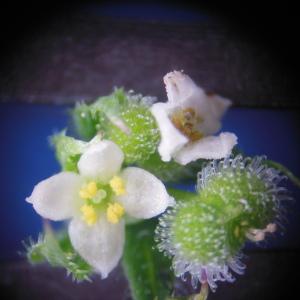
(68, 150)
(147, 270)
(181, 195)
(171, 171)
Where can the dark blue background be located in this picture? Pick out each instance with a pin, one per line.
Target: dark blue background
(26, 158)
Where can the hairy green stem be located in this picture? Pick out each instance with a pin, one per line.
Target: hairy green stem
(203, 293)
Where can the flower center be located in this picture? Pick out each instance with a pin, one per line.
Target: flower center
(186, 121)
(98, 198)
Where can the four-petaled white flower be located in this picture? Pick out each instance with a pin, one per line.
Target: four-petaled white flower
(96, 199)
(188, 120)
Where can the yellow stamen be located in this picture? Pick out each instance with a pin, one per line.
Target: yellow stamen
(119, 209)
(89, 214)
(186, 121)
(88, 191)
(114, 212)
(92, 188)
(118, 186)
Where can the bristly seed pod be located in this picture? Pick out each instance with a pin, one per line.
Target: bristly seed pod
(237, 199)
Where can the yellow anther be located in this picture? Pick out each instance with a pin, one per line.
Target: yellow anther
(92, 188)
(88, 191)
(84, 194)
(118, 209)
(118, 186)
(89, 214)
(114, 212)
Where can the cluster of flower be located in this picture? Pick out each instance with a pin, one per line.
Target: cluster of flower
(135, 145)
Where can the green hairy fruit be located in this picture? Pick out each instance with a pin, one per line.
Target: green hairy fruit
(237, 199)
(123, 118)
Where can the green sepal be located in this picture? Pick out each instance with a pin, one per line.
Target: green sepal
(89, 119)
(85, 124)
(34, 250)
(56, 249)
(111, 105)
(147, 270)
(68, 150)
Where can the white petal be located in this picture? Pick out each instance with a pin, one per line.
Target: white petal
(94, 141)
(212, 147)
(101, 245)
(179, 87)
(219, 105)
(212, 107)
(55, 198)
(171, 138)
(146, 196)
(183, 92)
(101, 161)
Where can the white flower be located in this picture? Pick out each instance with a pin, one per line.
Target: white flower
(188, 120)
(96, 199)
